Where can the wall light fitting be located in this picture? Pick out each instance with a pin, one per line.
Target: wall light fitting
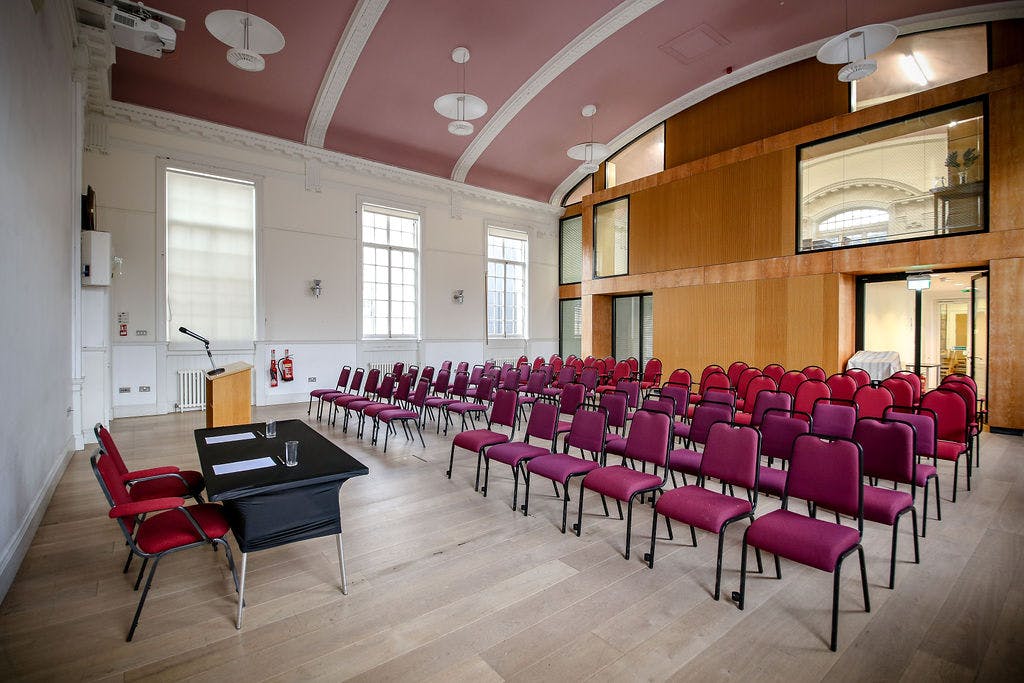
(316, 289)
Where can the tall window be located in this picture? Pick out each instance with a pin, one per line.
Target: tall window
(570, 250)
(211, 258)
(611, 238)
(506, 283)
(643, 157)
(633, 327)
(390, 256)
(570, 327)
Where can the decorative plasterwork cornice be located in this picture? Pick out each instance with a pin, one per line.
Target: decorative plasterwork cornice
(927, 22)
(101, 55)
(360, 25)
(235, 137)
(552, 69)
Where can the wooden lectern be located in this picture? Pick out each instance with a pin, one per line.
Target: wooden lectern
(229, 396)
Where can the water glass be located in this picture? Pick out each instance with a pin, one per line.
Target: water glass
(291, 453)
(271, 429)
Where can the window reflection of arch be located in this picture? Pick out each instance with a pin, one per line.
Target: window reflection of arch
(850, 226)
(582, 189)
(640, 158)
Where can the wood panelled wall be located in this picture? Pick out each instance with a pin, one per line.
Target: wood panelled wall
(713, 236)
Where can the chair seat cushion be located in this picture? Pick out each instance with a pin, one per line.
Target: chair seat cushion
(513, 453)
(324, 393)
(644, 384)
(462, 407)
(560, 466)
(685, 460)
(168, 487)
(813, 542)
(615, 445)
(950, 450)
(883, 505)
(345, 399)
(700, 507)
(681, 430)
(620, 482)
(439, 401)
(375, 409)
(605, 387)
(771, 480)
(551, 391)
(172, 529)
(563, 426)
(742, 418)
(359, 404)
(397, 414)
(475, 439)
(924, 473)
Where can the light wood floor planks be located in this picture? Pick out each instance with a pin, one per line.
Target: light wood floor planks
(446, 585)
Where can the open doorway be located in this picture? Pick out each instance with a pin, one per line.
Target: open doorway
(936, 331)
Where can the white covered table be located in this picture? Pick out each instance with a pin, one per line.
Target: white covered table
(879, 364)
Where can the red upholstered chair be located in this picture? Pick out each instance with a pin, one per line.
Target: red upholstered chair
(815, 372)
(734, 372)
(319, 394)
(923, 422)
(516, 454)
(861, 376)
(567, 375)
(568, 403)
(888, 449)
(842, 386)
(950, 411)
(681, 376)
(715, 384)
(687, 459)
(731, 456)
(790, 381)
(440, 398)
(521, 360)
(155, 482)
(631, 387)
(157, 527)
(779, 430)
(428, 373)
(388, 417)
(555, 362)
(369, 407)
(588, 362)
(354, 387)
(827, 474)
(477, 406)
(413, 372)
(755, 386)
(767, 399)
(969, 393)
(775, 371)
(398, 369)
(915, 383)
(649, 440)
(872, 400)
(589, 378)
(834, 418)
(807, 393)
(902, 391)
(474, 376)
(587, 433)
(503, 413)
(463, 366)
(680, 395)
(577, 364)
(634, 366)
(652, 375)
(616, 403)
(742, 382)
(705, 373)
(620, 372)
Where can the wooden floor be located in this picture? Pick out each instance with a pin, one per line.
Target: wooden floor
(447, 585)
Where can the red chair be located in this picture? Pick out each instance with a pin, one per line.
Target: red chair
(390, 416)
(779, 430)
(649, 440)
(502, 413)
(872, 400)
(589, 378)
(634, 367)
(621, 372)
(969, 392)
(815, 372)
(155, 482)
(681, 376)
(888, 449)
(742, 382)
(516, 454)
(440, 398)
(767, 399)
(827, 474)
(652, 375)
(157, 527)
(754, 387)
(860, 375)
(915, 383)
(687, 459)
(481, 399)
(447, 365)
(354, 386)
(369, 407)
(775, 371)
(735, 370)
(731, 457)
(715, 383)
(950, 411)
(370, 388)
(834, 418)
(923, 422)
(842, 386)
(902, 391)
(807, 393)
(705, 373)
(791, 380)
(555, 362)
(568, 403)
(320, 394)
(616, 403)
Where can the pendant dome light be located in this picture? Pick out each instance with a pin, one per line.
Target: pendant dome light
(590, 153)
(460, 106)
(852, 47)
(248, 36)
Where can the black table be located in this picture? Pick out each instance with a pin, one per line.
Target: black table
(272, 506)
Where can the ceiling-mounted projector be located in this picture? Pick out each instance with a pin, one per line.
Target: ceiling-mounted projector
(145, 30)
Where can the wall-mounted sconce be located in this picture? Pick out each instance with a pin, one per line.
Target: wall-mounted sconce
(458, 296)
(316, 289)
(118, 266)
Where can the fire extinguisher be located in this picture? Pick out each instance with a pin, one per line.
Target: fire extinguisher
(287, 371)
(273, 368)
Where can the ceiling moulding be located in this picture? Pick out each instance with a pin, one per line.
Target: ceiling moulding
(579, 46)
(360, 25)
(236, 137)
(927, 22)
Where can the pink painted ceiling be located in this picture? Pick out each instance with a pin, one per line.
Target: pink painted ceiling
(386, 110)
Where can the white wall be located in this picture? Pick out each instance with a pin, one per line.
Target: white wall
(303, 235)
(37, 229)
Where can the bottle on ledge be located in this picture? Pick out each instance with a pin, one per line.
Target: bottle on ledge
(273, 367)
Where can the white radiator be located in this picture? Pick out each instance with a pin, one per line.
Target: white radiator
(191, 390)
(383, 367)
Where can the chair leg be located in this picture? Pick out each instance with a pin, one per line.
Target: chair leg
(913, 522)
(956, 477)
(737, 596)
(487, 472)
(142, 598)
(451, 461)
(479, 457)
(629, 521)
(142, 570)
(387, 433)
(778, 567)
(241, 591)
(835, 604)
(128, 562)
(668, 526)
(526, 497)
(718, 568)
(577, 527)
(649, 557)
(938, 500)
(864, 579)
(515, 487)
(892, 560)
(231, 561)
(693, 536)
(618, 504)
(420, 432)
(924, 515)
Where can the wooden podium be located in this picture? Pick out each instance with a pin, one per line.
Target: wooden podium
(229, 395)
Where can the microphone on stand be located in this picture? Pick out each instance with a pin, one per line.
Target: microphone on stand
(206, 343)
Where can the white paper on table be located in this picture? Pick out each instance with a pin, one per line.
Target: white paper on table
(243, 465)
(225, 438)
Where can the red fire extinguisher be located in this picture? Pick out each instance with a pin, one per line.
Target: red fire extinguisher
(273, 368)
(287, 371)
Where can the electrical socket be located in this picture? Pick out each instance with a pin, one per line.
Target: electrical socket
(141, 333)
(124, 390)
(311, 380)
(143, 388)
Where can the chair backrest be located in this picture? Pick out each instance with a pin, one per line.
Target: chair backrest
(842, 386)
(632, 389)
(387, 387)
(731, 455)
(588, 431)
(483, 389)
(649, 438)
(460, 385)
(861, 376)
(653, 369)
(710, 370)
(615, 403)
(827, 472)
(577, 364)
(609, 362)
(679, 393)
(634, 365)
(571, 398)
(536, 382)
(775, 371)
(716, 380)
(446, 365)
(419, 397)
(522, 359)
(791, 380)
(428, 373)
(503, 411)
(524, 372)
(807, 392)
(969, 395)
(960, 377)
(398, 368)
(735, 370)
(923, 422)
(372, 382)
(357, 381)
(404, 385)
(413, 372)
(543, 422)
(510, 379)
(108, 447)
(769, 399)
(621, 371)
(113, 488)
(744, 380)
(443, 381)
(902, 391)
(720, 395)
(488, 364)
(566, 375)
(463, 366)
(600, 366)
(706, 414)
(476, 374)
(555, 362)
(754, 387)
(681, 376)
(537, 362)
(659, 402)
(950, 414)
(815, 372)
(343, 376)
(589, 361)
(548, 371)
(833, 418)
(589, 377)
(915, 382)
(779, 429)
(872, 400)
(888, 449)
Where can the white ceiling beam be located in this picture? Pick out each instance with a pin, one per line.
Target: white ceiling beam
(579, 46)
(360, 25)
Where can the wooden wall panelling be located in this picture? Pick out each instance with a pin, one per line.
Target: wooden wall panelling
(784, 99)
(1006, 159)
(1006, 340)
(597, 326)
(1006, 43)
